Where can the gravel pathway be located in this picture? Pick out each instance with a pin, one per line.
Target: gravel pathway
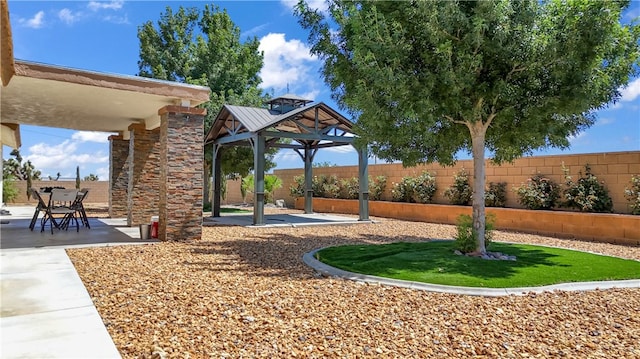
(245, 293)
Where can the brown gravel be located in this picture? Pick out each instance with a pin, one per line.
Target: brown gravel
(245, 293)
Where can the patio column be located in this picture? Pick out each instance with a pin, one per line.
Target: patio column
(217, 180)
(308, 179)
(181, 173)
(144, 175)
(118, 176)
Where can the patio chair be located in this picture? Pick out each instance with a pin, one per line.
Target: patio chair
(79, 207)
(61, 203)
(40, 207)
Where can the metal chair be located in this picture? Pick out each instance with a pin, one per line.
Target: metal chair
(40, 207)
(79, 207)
(61, 204)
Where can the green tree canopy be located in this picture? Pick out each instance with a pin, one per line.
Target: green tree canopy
(205, 49)
(428, 79)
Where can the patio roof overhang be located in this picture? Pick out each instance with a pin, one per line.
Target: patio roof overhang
(62, 97)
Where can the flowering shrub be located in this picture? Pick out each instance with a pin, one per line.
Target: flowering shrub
(632, 194)
(376, 187)
(415, 189)
(586, 194)
(460, 193)
(297, 189)
(350, 188)
(538, 193)
(496, 195)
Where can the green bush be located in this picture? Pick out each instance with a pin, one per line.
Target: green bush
(632, 194)
(424, 188)
(586, 194)
(376, 187)
(297, 189)
(460, 193)
(496, 195)
(466, 237)
(9, 190)
(403, 191)
(350, 188)
(538, 193)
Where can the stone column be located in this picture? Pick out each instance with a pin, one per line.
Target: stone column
(144, 175)
(118, 176)
(181, 173)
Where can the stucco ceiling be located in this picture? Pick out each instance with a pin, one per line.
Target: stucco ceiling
(53, 96)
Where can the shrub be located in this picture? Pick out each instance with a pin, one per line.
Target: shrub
(424, 188)
(466, 236)
(9, 190)
(538, 193)
(350, 188)
(403, 191)
(460, 193)
(496, 195)
(586, 194)
(297, 189)
(632, 194)
(377, 187)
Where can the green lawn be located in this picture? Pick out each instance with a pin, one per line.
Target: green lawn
(233, 210)
(434, 262)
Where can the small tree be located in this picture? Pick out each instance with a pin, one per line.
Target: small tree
(77, 177)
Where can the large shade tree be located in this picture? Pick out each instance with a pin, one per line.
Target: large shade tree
(204, 48)
(428, 79)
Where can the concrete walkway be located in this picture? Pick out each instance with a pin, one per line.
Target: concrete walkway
(45, 310)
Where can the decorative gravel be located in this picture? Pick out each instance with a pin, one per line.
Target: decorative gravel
(245, 293)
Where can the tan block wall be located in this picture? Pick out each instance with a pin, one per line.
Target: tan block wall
(603, 227)
(615, 169)
(98, 190)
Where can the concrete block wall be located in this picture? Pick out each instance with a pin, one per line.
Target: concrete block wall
(98, 190)
(614, 168)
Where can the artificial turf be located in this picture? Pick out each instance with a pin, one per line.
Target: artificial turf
(435, 262)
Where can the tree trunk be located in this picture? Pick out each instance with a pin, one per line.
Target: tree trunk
(478, 131)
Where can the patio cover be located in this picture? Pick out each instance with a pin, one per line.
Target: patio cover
(308, 127)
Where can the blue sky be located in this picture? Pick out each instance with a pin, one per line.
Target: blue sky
(102, 36)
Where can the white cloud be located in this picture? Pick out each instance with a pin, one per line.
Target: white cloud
(120, 20)
(36, 22)
(253, 30)
(285, 62)
(631, 92)
(102, 173)
(91, 136)
(67, 16)
(605, 121)
(62, 157)
(110, 5)
(341, 149)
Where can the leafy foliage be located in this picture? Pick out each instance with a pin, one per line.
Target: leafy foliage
(632, 194)
(496, 195)
(586, 194)
(350, 188)
(427, 79)
(271, 183)
(538, 193)
(9, 189)
(418, 189)
(376, 187)
(91, 177)
(466, 236)
(297, 189)
(460, 192)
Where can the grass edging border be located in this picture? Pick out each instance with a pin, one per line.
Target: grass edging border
(329, 271)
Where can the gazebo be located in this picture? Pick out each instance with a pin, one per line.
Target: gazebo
(310, 127)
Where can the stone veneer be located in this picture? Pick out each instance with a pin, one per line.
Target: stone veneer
(119, 176)
(181, 177)
(144, 175)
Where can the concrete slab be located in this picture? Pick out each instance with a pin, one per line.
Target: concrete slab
(283, 220)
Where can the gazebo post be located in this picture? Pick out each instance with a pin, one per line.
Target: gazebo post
(216, 170)
(258, 163)
(363, 176)
(308, 180)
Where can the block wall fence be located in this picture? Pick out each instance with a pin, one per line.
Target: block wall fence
(98, 190)
(614, 168)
